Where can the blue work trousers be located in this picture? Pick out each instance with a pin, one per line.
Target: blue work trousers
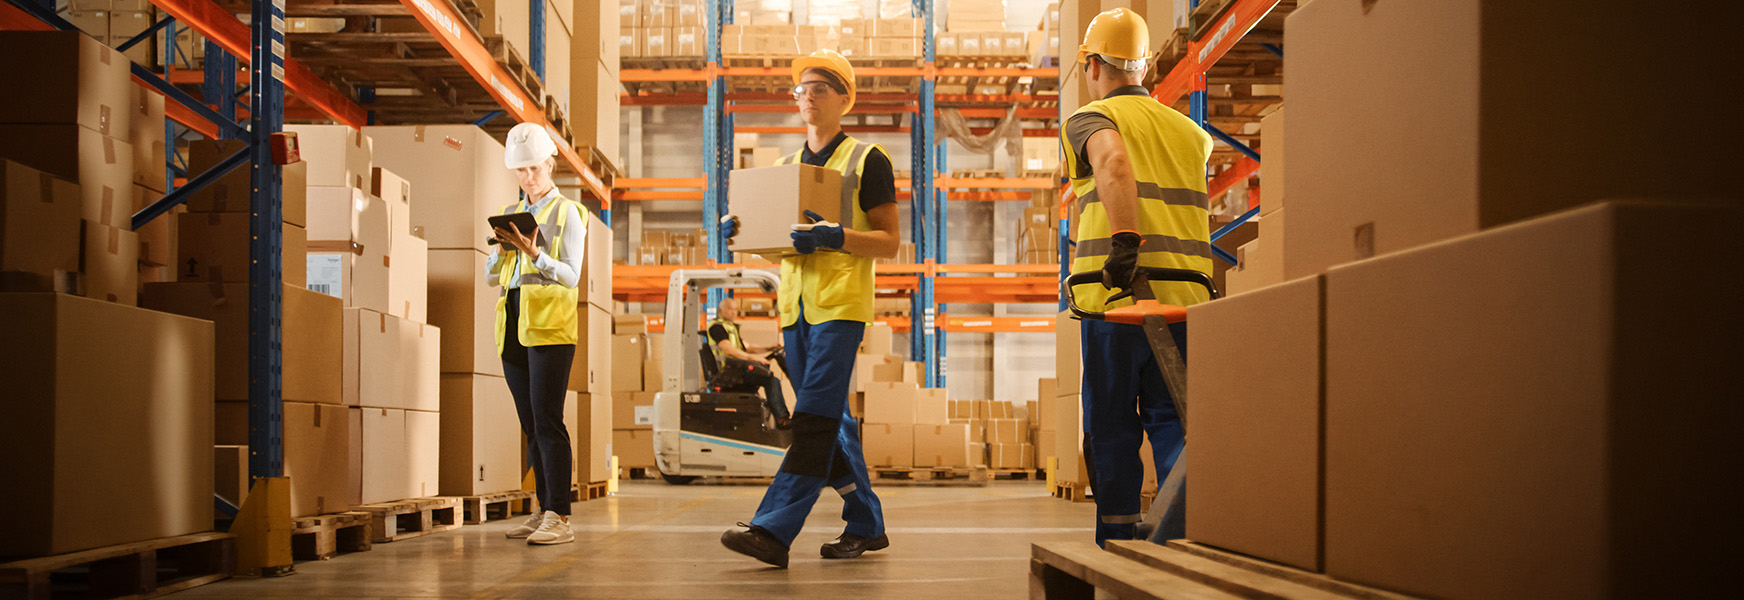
(826, 440)
(1125, 400)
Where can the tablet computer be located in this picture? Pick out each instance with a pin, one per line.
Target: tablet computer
(522, 220)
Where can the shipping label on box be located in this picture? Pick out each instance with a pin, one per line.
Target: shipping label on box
(770, 200)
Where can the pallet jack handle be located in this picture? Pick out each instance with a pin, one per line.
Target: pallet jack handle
(1146, 305)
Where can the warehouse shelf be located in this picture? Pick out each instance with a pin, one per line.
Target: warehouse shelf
(965, 284)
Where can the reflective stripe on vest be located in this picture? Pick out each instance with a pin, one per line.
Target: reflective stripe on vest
(832, 285)
(548, 309)
(732, 336)
(1168, 153)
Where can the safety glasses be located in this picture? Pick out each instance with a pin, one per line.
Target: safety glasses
(813, 89)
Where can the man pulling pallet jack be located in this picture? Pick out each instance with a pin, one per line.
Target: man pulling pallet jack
(1138, 170)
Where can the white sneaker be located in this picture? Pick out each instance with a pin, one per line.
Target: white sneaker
(554, 530)
(527, 527)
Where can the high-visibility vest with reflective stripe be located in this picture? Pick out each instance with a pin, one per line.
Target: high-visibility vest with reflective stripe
(732, 336)
(1168, 152)
(548, 309)
(834, 286)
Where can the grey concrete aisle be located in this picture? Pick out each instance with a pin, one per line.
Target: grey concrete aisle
(654, 540)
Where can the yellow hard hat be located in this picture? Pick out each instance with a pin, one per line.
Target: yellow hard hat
(1119, 36)
(828, 60)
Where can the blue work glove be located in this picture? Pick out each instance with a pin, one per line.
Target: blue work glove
(729, 226)
(819, 234)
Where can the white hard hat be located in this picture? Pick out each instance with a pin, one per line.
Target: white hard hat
(529, 144)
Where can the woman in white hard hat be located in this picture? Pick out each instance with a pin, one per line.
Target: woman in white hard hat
(537, 322)
(826, 303)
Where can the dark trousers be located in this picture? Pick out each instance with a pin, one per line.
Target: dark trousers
(760, 376)
(539, 378)
(1125, 401)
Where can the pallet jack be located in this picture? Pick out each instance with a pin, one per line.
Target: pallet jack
(706, 421)
(1166, 519)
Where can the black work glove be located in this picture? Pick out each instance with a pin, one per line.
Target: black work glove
(1122, 264)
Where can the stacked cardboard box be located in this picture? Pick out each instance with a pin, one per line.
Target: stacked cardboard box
(636, 373)
(1044, 42)
(672, 248)
(975, 15)
(1010, 44)
(662, 28)
(591, 374)
(114, 22)
(1038, 237)
(594, 57)
(1366, 370)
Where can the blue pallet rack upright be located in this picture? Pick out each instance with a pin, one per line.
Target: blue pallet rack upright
(717, 142)
(926, 225)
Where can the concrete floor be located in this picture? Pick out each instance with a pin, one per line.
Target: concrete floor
(653, 540)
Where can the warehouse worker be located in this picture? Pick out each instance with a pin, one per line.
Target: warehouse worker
(537, 322)
(1138, 169)
(825, 298)
(732, 353)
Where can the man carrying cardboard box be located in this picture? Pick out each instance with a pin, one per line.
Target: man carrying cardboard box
(537, 319)
(732, 353)
(1138, 169)
(825, 299)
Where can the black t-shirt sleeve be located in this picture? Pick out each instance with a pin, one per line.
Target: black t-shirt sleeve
(877, 182)
(718, 333)
(1079, 128)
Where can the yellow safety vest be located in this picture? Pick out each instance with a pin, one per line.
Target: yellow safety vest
(834, 286)
(1168, 152)
(732, 336)
(548, 309)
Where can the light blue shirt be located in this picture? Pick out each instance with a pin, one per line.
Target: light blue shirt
(566, 269)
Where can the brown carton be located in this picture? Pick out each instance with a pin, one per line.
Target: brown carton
(146, 134)
(1606, 408)
(481, 436)
(385, 473)
(591, 370)
(420, 356)
(73, 79)
(941, 446)
(931, 407)
(144, 422)
(110, 262)
(597, 263)
(888, 444)
(409, 279)
(309, 328)
(593, 442)
(374, 373)
(231, 192)
(458, 173)
(214, 247)
(1255, 383)
(891, 403)
(157, 239)
(348, 249)
(1272, 173)
(317, 439)
(634, 448)
(629, 352)
(464, 306)
(397, 193)
(423, 452)
(337, 155)
(101, 165)
(40, 229)
(768, 201)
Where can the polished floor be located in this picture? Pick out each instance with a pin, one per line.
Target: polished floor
(653, 540)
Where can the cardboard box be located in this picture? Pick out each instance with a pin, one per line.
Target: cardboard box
(40, 228)
(458, 173)
(157, 239)
(1006, 430)
(628, 354)
(653, 373)
(310, 336)
(597, 262)
(110, 262)
(594, 110)
(1069, 441)
(481, 436)
(385, 474)
(631, 41)
(931, 407)
(160, 375)
(146, 134)
(1272, 173)
(464, 306)
(592, 369)
(73, 79)
(1006, 456)
(420, 356)
(596, 26)
(634, 448)
(1573, 462)
(214, 247)
(1260, 262)
(423, 445)
(629, 324)
(230, 193)
(941, 446)
(888, 444)
(593, 442)
(656, 41)
(374, 368)
(397, 193)
(632, 410)
(892, 47)
(891, 403)
(408, 279)
(877, 339)
(1068, 356)
(1256, 456)
(348, 249)
(338, 155)
(1511, 144)
(101, 165)
(317, 453)
(770, 200)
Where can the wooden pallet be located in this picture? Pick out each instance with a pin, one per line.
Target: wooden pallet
(1012, 474)
(931, 475)
(1141, 570)
(407, 519)
(326, 536)
(495, 507)
(1072, 492)
(145, 569)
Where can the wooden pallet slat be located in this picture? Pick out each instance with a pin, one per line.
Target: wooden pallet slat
(145, 569)
(496, 506)
(407, 519)
(323, 537)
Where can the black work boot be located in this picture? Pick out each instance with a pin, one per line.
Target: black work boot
(756, 542)
(849, 545)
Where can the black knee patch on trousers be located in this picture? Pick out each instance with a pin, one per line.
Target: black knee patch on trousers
(814, 442)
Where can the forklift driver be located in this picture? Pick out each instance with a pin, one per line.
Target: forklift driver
(732, 355)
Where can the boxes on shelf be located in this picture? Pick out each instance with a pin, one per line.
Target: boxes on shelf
(310, 336)
(101, 165)
(74, 80)
(350, 242)
(215, 247)
(165, 382)
(146, 135)
(110, 264)
(230, 193)
(458, 173)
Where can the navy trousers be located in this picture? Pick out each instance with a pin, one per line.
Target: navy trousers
(538, 378)
(1125, 400)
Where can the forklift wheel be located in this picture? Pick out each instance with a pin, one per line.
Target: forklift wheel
(678, 479)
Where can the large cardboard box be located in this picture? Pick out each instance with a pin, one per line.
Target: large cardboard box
(891, 403)
(597, 263)
(931, 407)
(877, 339)
(634, 449)
(629, 352)
(770, 200)
(40, 227)
(337, 155)
(464, 306)
(557, 55)
(374, 369)
(941, 446)
(481, 436)
(591, 370)
(408, 279)
(157, 239)
(317, 457)
(110, 262)
(143, 423)
(397, 193)
(214, 247)
(420, 366)
(310, 336)
(424, 452)
(458, 172)
(1554, 444)
(230, 193)
(1068, 357)
(73, 79)
(888, 444)
(385, 472)
(508, 19)
(1260, 263)
(230, 472)
(1511, 144)
(101, 165)
(1069, 441)
(1255, 381)
(349, 247)
(1006, 456)
(593, 442)
(1272, 172)
(146, 134)
(594, 101)
(596, 34)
